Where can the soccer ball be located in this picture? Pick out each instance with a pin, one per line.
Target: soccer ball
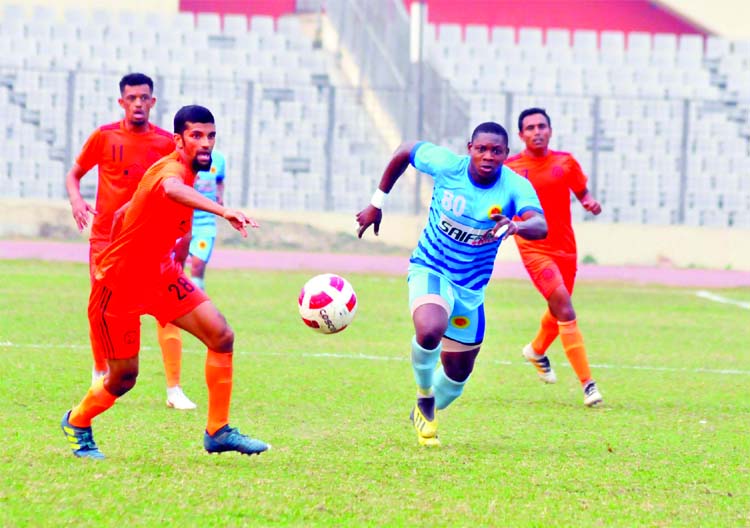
(327, 303)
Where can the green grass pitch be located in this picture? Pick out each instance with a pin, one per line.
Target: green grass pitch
(669, 448)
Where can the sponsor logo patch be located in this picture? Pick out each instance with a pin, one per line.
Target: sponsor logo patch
(462, 233)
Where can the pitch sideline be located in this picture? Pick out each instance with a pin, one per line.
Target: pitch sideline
(366, 357)
(704, 294)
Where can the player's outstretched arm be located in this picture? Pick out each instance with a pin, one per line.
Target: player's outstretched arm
(78, 205)
(373, 213)
(589, 202)
(239, 220)
(186, 195)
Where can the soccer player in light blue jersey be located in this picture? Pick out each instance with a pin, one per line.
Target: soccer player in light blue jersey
(210, 184)
(473, 201)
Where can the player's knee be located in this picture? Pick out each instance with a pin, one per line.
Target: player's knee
(198, 268)
(120, 381)
(429, 338)
(565, 313)
(222, 340)
(458, 366)
(561, 305)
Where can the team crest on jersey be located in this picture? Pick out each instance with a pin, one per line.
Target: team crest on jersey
(130, 337)
(213, 169)
(463, 233)
(460, 321)
(494, 210)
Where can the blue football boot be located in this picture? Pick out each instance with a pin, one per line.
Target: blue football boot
(230, 439)
(81, 440)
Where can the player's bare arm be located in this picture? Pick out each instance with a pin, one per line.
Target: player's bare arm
(79, 206)
(182, 249)
(532, 226)
(373, 213)
(220, 193)
(117, 218)
(186, 195)
(589, 202)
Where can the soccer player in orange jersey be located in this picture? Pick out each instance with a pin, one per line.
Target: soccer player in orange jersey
(137, 275)
(123, 151)
(552, 262)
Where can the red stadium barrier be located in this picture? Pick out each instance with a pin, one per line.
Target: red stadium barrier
(611, 15)
(274, 8)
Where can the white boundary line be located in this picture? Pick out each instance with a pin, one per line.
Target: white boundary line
(365, 357)
(704, 294)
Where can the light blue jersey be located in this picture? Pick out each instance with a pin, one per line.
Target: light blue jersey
(457, 242)
(204, 224)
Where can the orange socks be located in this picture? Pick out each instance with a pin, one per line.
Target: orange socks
(96, 401)
(219, 382)
(547, 333)
(170, 342)
(572, 342)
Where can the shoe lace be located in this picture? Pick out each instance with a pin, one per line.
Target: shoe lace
(233, 437)
(86, 440)
(543, 362)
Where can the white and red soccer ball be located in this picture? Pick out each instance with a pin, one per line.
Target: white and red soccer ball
(327, 303)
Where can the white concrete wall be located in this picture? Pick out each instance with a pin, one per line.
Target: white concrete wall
(727, 18)
(612, 245)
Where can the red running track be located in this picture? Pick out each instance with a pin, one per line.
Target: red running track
(393, 265)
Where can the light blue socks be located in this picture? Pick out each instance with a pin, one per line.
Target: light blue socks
(201, 283)
(446, 390)
(423, 362)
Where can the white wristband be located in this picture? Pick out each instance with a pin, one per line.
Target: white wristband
(378, 198)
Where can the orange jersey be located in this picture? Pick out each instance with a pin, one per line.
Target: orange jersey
(123, 158)
(142, 248)
(553, 176)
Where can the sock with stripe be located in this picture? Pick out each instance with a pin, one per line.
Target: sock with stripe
(219, 382)
(548, 331)
(97, 400)
(170, 342)
(572, 342)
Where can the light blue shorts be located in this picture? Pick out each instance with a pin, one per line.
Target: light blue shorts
(465, 325)
(202, 247)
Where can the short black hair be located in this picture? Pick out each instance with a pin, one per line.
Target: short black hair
(136, 79)
(531, 111)
(191, 114)
(490, 127)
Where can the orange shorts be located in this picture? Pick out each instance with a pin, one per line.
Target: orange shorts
(115, 311)
(95, 249)
(548, 272)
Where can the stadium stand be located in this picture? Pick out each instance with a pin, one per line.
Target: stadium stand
(660, 120)
(268, 86)
(657, 103)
